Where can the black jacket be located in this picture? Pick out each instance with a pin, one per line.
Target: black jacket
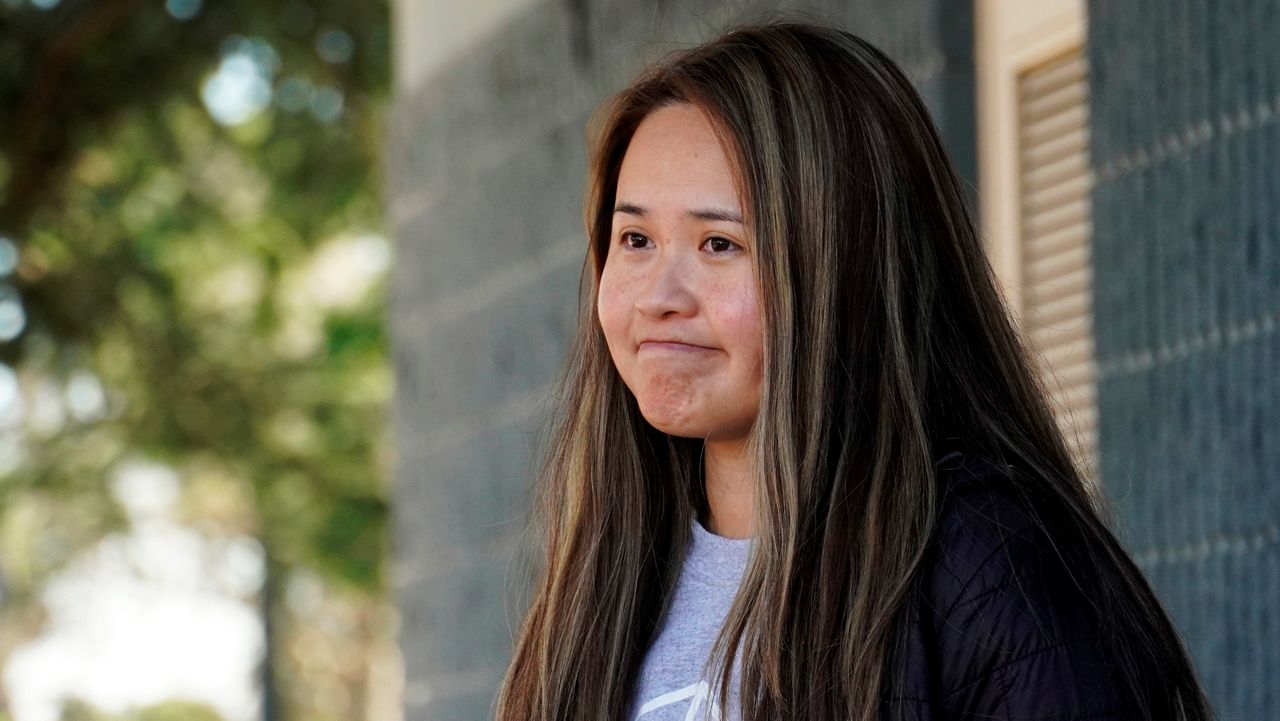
(995, 629)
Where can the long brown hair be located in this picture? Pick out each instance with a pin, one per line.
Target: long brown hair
(887, 344)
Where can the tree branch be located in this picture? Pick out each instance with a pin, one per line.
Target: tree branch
(40, 142)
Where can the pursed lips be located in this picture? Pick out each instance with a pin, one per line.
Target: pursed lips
(673, 346)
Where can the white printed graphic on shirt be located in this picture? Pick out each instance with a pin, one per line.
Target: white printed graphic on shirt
(695, 695)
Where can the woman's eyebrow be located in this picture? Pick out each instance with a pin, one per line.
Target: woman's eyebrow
(697, 213)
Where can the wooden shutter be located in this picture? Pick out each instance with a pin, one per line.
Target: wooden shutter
(1055, 227)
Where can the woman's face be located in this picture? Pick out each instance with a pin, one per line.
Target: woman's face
(679, 268)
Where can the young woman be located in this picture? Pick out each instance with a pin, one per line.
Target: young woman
(801, 466)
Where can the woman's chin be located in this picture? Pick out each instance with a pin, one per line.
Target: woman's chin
(674, 422)
(691, 426)
(675, 428)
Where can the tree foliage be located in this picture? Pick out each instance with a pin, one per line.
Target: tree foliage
(197, 272)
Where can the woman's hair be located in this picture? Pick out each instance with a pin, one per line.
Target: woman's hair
(886, 344)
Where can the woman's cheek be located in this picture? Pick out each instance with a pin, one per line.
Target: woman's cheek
(749, 328)
(611, 309)
(744, 311)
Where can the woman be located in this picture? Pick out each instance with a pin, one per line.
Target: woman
(798, 440)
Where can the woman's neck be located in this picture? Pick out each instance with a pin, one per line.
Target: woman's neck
(730, 493)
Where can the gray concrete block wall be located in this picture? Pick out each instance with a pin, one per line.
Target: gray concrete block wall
(1186, 208)
(485, 169)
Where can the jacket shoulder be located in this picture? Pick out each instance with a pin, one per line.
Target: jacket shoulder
(1014, 633)
(979, 512)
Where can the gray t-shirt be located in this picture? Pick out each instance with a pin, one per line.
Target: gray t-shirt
(672, 685)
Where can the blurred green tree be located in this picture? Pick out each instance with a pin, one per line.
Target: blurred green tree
(191, 189)
(78, 710)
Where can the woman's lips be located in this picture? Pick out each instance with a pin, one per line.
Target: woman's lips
(678, 347)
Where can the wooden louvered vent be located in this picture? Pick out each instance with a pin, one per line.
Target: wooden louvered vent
(1055, 223)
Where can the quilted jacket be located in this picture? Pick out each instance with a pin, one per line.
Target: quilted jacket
(996, 629)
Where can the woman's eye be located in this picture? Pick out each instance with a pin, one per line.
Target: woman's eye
(627, 236)
(721, 244)
(718, 244)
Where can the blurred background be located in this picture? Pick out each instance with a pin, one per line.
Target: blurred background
(283, 284)
(193, 375)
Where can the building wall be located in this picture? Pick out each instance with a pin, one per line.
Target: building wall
(486, 161)
(1186, 204)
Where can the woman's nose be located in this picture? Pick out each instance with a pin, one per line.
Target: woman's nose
(666, 289)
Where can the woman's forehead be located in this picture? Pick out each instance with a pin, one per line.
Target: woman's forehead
(675, 165)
